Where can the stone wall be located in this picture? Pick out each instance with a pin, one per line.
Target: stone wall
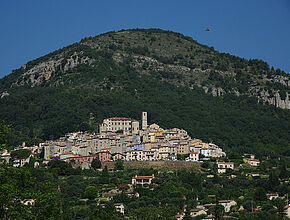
(166, 165)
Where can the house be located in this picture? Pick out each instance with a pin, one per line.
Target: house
(149, 155)
(193, 156)
(227, 204)
(251, 161)
(211, 196)
(81, 159)
(104, 156)
(207, 206)
(272, 196)
(223, 166)
(65, 155)
(172, 157)
(6, 157)
(196, 212)
(118, 156)
(120, 124)
(179, 216)
(287, 211)
(132, 194)
(28, 202)
(120, 208)
(208, 217)
(142, 180)
(109, 196)
(205, 151)
(20, 162)
(253, 175)
(134, 155)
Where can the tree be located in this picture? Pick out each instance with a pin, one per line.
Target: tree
(260, 194)
(61, 167)
(91, 192)
(273, 181)
(119, 165)
(5, 130)
(96, 164)
(283, 172)
(46, 206)
(217, 211)
(280, 204)
(20, 154)
(105, 176)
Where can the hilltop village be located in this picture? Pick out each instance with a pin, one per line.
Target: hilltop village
(123, 139)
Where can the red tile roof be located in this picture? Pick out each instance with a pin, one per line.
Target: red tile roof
(142, 177)
(120, 119)
(82, 156)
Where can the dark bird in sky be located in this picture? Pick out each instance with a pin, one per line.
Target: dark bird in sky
(207, 29)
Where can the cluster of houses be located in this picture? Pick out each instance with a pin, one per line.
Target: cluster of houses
(19, 162)
(200, 210)
(203, 210)
(122, 139)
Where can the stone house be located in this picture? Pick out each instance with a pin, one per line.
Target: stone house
(120, 208)
(227, 204)
(142, 180)
(223, 166)
(196, 212)
(193, 156)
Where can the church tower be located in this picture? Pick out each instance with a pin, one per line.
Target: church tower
(144, 120)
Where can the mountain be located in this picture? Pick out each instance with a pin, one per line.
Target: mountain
(181, 83)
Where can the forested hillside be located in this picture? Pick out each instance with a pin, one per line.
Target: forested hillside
(180, 83)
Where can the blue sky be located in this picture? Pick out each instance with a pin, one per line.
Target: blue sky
(248, 28)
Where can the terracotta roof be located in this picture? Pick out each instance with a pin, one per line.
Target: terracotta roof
(82, 156)
(210, 204)
(272, 194)
(195, 210)
(66, 153)
(211, 196)
(120, 119)
(142, 177)
(223, 201)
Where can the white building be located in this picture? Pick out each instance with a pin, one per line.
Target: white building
(205, 151)
(120, 124)
(223, 166)
(120, 208)
(134, 155)
(227, 204)
(272, 196)
(193, 156)
(287, 211)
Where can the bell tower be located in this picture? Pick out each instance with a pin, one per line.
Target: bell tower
(144, 120)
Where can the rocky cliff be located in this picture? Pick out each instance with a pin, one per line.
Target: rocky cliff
(165, 55)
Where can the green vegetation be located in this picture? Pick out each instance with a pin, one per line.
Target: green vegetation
(5, 130)
(145, 70)
(58, 191)
(20, 154)
(236, 124)
(96, 164)
(82, 194)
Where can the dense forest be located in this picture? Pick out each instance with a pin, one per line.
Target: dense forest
(127, 72)
(59, 191)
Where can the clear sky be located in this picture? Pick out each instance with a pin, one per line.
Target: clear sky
(248, 28)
